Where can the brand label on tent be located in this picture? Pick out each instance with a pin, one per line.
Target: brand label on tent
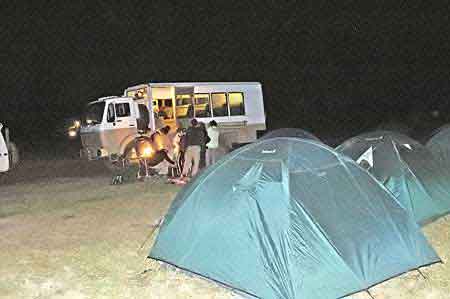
(407, 146)
(269, 151)
(367, 156)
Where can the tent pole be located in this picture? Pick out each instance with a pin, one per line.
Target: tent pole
(421, 273)
(151, 233)
(145, 271)
(370, 295)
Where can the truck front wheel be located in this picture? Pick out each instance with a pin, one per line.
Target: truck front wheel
(119, 163)
(116, 165)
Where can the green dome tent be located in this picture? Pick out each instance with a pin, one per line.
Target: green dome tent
(406, 168)
(290, 132)
(394, 126)
(290, 218)
(439, 144)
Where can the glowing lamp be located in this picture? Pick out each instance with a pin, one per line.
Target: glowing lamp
(147, 151)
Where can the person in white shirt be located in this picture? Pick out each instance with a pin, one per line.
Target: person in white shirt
(213, 144)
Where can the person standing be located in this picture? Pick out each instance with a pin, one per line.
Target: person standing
(202, 163)
(179, 147)
(213, 144)
(195, 137)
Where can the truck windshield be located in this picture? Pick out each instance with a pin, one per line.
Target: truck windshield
(93, 114)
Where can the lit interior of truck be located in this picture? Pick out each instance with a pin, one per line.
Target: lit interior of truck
(171, 103)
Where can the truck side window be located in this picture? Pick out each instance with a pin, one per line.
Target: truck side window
(219, 103)
(236, 101)
(184, 107)
(110, 116)
(202, 107)
(123, 110)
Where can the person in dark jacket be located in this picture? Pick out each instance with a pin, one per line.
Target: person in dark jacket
(202, 162)
(195, 138)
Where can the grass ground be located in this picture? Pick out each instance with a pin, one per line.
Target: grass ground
(70, 234)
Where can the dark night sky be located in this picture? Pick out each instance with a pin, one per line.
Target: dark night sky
(328, 68)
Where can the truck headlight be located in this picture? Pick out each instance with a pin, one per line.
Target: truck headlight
(72, 133)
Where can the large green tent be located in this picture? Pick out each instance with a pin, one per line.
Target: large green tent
(290, 132)
(406, 168)
(290, 218)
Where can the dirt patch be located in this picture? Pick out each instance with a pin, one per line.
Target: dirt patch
(45, 170)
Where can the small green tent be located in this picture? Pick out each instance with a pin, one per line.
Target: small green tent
(290, 218)
(406, 168)
(439, 145)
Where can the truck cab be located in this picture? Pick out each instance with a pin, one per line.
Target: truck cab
(109, 124)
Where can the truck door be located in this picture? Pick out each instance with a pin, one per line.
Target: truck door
(4, 159)
(125, 114)
(121, 123)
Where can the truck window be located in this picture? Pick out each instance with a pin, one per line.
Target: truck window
(140, 93)
(168, 103)
(184, 106)
(110, 115)
(93, 113)
(236, 101)
(165, 108)
(219, 104)
(123, 109)
(202, 107)
(168, 109)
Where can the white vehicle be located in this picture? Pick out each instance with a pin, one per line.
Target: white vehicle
(4, 159)
(110, 124)
(9, 155)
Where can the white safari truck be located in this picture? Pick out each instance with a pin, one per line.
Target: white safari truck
(4, 159)
(9, 155)
(110, 124)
